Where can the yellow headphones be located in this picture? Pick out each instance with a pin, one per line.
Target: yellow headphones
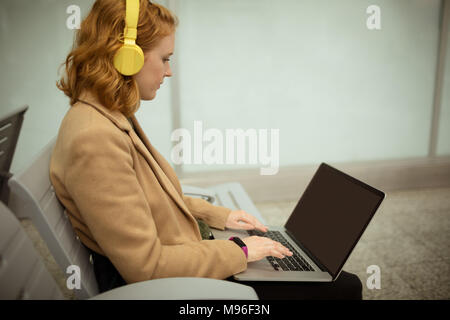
(129, 59)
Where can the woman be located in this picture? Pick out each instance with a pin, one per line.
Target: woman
(123, 198)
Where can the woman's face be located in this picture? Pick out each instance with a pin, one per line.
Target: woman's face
(156, 68)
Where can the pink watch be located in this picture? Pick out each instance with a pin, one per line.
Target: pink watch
(241, 244)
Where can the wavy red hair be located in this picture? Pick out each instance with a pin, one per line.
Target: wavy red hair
(90, 63)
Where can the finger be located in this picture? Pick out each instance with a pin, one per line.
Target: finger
(276, 253)
(283, 250)
(261, 227)
(246, 226)
(258, 225)
(246, 217)
(252, 220)
(286, 251)
(273, 250)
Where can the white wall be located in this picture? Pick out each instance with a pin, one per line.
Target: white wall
(337, 91)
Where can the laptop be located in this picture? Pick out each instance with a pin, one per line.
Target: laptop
(325, 226)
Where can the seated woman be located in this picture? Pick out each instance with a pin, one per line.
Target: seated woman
(123, 198)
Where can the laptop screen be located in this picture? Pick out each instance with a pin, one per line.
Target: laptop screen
(331, 216)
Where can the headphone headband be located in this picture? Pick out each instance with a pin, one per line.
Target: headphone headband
(129, 59)
(131, 19)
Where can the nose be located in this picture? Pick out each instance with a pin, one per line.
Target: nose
(168, 72)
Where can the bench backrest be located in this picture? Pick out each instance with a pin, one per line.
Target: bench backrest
(32, 196)
(10, 125)
(22, 273)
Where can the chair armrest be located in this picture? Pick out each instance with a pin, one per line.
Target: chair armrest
(181, 289)
(197, 192)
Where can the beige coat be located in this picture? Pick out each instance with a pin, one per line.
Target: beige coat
(124, 200)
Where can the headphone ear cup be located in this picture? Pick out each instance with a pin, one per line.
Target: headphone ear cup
(129, 59)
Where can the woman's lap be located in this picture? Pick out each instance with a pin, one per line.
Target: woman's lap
(346, 287)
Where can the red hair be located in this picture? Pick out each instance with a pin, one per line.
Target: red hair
(90, 63)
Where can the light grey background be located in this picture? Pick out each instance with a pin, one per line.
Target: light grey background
(337, 91)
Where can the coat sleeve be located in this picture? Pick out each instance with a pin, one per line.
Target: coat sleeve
(100, 178)
(214, 216)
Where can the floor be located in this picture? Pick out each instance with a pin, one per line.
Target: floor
(408, 239)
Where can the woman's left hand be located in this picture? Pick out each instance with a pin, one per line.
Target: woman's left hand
(239, 219)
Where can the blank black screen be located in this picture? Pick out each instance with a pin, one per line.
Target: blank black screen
(332, 214)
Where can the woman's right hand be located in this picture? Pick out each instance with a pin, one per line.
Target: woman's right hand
(261, 247)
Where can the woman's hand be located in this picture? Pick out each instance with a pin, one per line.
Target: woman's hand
(261, 247)
(257, 247)
(239, 219)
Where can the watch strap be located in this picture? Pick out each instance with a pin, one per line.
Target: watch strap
(241, 244)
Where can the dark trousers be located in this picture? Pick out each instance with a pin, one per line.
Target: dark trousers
(347, 286)
(106, 274)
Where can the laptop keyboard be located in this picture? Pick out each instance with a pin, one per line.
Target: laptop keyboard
(293, 263)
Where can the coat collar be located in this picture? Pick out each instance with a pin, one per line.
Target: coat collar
(117, 117)
(162, 169)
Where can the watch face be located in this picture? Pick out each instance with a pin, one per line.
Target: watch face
(239, 242)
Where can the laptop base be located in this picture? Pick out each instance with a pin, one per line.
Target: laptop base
(262, 270)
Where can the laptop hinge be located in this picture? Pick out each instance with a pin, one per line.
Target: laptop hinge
(310, 255)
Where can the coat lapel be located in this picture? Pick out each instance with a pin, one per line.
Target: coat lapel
(147, 152)
(160, 168)
(161, 162)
